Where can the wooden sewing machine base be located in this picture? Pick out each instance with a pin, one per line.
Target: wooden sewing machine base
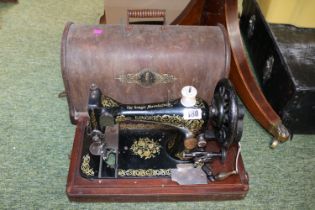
(152, 189)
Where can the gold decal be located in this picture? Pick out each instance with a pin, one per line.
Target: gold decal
(149, 106)
(180, 155)
(132, 126)
(120, 118)
(200, 104)
(85, 167)
(107, 102)
(93, 120)
(193, 125)
(145, 148)
(146, 78)
(144, 172)
(171, 144)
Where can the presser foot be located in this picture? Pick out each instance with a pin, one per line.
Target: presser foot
(198, 172)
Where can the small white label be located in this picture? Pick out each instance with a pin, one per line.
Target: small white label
(192, 114)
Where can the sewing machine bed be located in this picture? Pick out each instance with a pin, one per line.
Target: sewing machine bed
(148, 177)
(143, 152)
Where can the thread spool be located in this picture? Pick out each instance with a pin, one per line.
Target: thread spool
(189, 94)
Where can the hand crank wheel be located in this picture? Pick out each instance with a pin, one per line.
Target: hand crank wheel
(226, 114)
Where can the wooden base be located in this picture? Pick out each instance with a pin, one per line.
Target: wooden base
(151, 189)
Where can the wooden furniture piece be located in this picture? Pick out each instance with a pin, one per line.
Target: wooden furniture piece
(241, 75)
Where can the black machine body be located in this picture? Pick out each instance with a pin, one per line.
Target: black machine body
(153, 140)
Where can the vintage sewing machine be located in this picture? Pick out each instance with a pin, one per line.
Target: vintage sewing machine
(162, 140)
(140, 136)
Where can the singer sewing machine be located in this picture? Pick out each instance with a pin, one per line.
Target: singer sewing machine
(139, 137)
(183, 149)
(163, 141)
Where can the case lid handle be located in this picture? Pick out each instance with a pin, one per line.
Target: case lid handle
(146, 13)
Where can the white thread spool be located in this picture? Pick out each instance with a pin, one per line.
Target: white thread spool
(189, 94)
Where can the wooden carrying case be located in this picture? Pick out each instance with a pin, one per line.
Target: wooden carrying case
(137, 64)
